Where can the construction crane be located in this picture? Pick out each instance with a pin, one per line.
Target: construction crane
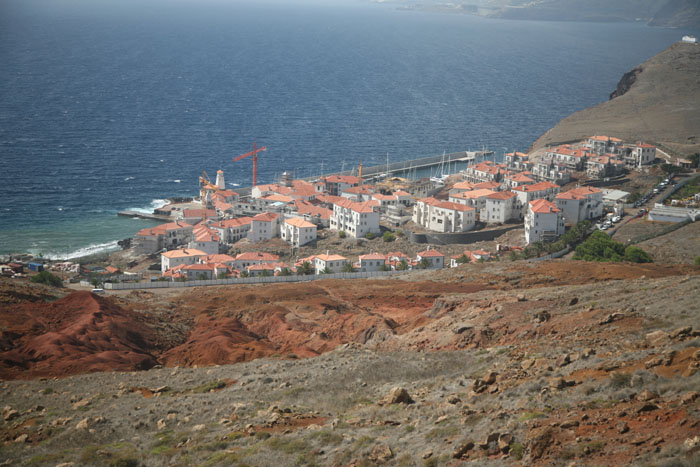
(253, 153)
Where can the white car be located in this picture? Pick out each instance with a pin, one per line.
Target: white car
(616, 219)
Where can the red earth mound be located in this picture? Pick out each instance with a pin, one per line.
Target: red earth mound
(76, 334)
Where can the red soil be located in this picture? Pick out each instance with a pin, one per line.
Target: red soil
(76, 334)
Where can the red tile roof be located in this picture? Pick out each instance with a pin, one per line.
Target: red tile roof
(542, 206)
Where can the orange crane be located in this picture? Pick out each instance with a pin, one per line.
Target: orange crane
(253, 153)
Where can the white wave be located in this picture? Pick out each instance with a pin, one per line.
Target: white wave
(155, 204)
(177, 181)
(60, 208)
(129, 178)
(234, 184)
(80, 252)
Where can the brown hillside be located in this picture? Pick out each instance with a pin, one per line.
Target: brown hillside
(657, 101)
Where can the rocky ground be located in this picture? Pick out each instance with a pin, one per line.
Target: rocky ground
(547, 363)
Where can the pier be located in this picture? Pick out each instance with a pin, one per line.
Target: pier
(143, 215)
(403, 167)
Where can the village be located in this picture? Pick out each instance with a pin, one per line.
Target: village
(475, 215)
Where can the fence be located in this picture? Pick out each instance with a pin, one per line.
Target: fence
(248, 280)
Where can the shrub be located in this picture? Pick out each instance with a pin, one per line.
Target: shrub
(462, 259)
(600, 247)
(402, 266)
(697, 261)
(634, 254)
(45, 277)
(348, 268)
(342, 234)
(370, 236)
(620, 380)
(285, 272)
(388, 237)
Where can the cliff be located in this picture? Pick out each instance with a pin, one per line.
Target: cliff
(657, 101)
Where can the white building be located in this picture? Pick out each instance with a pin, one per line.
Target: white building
(543, 222)
(297, 232)
(173, 258)
(500, 208)
(205, 239)
(474, 198)
(541, 190)
(265, 226)
(580, 203)
(355, 219)
(332, 263)
(232, 230)
(372, 262)
(244, 260)
(433, 258)
(444, 216)
(164, 236)
(641, 154)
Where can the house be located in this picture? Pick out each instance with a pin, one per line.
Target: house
(297, 231)
(433, 259)
(602, 144)
(264, 226)
(372, 262)
(356, 219)
(164, 236)
(471, 256)
(517, 161)
(337, 184)
(486, 171)
(205, 239)
(232, 230)
(262, 269)
(218, 258)
(580, 203)
(385, 200)
(198, 271)
(403, 198)
(395, 258)
(244, 260)
(548, 170)
(262, 191)
(511, 181)
(500, 207)
(444, 216)
(572, 159)
(358, 193)
(460, 187)
(475, 198)
(193, 216)
(604, 166)
(314, 213)
(640, 155)
(186, 256)
(540, 190)
(328, 262)
(543, 222)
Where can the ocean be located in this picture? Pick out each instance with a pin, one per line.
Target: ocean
(109, 105)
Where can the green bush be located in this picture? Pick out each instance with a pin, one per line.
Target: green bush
(388, 237)
(600, 247)
(402, 266)
(342, 234)
(305, 269)
(348, 268)
(634, 254)
(697, 261)
(370, 236)
(45, 277)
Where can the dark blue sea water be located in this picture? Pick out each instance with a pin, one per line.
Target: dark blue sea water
(108, 105)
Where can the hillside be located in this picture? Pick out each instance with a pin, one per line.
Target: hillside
(666, 13)
(501, 363)
(657, 101)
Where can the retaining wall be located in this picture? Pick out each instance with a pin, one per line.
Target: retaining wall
(460, 238)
